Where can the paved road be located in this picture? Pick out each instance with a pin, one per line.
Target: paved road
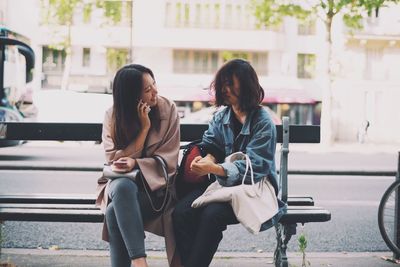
(68, 258)
(353, 200)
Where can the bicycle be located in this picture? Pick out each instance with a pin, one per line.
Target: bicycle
(389, 216)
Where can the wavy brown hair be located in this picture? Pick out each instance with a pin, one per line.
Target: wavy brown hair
(251, 93)
(127, 90)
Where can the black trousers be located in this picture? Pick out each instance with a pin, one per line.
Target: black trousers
(199, 231)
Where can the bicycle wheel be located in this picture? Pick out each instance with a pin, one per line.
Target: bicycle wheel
(389, 210)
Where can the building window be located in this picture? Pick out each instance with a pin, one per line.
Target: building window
(228, 16)
(198, 14)
(116, 58)
(181, 61)
(118, 13)
(87, 13)
(374, 69)
(260, 63)
(209, 14)
(178, 15)
(306, 66)
(188, 61)
(86, 57)
(53, 60)
(200, 61)
(216, 18)
(306, 27)
(186, 15)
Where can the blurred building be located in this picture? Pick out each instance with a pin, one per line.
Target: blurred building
(367, 79)
(185, 41)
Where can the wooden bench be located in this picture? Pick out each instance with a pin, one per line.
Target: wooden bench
(80, 208)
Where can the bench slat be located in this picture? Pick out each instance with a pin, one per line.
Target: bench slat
(302, 214)
(49, 206)
(50, 215)
(90, 199)
(92, 132)
(93, 207)
(48, 199)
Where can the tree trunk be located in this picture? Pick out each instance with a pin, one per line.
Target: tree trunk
(68, 59)
(326, 110)
(67, 70)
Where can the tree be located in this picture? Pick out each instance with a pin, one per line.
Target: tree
(61, 12)
(272, 12)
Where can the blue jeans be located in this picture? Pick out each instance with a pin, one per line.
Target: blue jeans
(125, 214)
(198, 231)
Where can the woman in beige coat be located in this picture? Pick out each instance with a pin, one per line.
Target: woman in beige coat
(140, 124)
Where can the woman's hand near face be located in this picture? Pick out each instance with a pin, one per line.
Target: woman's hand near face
(143, 110)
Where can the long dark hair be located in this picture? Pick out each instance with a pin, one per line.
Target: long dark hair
(127, 90)
(251, 93)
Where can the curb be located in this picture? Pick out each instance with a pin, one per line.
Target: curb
(219, 254)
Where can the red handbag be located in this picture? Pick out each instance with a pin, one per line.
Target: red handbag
(186, 180)
(189, 155)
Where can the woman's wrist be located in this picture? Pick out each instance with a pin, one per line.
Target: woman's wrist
(134, 163)
(145, 129)
(211, 157)
(217, 169)
(118, 154)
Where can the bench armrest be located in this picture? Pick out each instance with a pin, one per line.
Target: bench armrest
(283, 169)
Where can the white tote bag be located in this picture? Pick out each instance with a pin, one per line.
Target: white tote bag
(253, 204)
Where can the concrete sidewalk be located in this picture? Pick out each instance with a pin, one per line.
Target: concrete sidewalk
(70, 258)
(349, 147)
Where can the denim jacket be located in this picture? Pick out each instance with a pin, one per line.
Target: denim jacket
(257, 139)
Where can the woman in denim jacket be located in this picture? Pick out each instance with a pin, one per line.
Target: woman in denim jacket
(243, 125)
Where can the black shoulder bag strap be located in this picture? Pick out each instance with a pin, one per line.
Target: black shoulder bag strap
(161, 163)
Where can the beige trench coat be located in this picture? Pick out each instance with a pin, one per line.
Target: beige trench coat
(164, 143)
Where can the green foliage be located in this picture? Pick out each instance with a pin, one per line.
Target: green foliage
(302, 241)
(61, 12)
(228, 55)
(116, 58)
(272, 12)
(353, 21)
(87, 12)
(112, 10)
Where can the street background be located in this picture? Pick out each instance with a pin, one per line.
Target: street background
(352, 200)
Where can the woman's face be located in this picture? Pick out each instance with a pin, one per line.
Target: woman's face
(149, 93)
(231, 92)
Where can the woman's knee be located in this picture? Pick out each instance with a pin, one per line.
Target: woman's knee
(184, 205)
(122, 186)
(214, 214)
(110, 216)
(179, 213)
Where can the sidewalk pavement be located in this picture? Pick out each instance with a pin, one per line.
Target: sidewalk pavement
(86, 258)
(350, 147)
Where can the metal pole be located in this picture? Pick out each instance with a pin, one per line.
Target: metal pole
(2, 58)
(397, 211)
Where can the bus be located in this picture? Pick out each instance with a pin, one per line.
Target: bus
(17, 60)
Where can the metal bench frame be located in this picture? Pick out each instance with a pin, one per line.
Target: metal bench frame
(80, 208)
